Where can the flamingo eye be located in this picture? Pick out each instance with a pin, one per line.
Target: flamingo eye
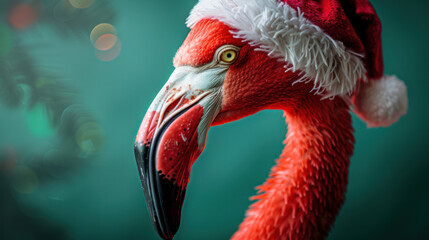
(229, 56)
(226, 55)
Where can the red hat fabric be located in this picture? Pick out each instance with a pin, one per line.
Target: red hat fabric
(334, 43)
(354, 23)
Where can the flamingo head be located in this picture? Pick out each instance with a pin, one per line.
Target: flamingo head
(259, 55)
(218, 79)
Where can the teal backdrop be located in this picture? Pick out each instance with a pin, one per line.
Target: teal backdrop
(387, 196)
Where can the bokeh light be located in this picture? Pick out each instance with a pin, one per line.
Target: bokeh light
(81, 3)
(6, 41)
(90, 139)
(38, 121)
(101, 29)
(22, 16)
(110, 54)
(24, 180)
(105, 42)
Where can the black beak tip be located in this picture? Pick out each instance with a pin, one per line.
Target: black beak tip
(164, 198)
(167, 206)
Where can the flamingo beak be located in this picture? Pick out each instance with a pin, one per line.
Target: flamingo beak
(170, 139)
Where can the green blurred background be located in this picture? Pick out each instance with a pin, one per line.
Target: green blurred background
(69, 117)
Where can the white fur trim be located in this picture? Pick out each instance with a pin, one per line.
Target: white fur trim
(285, 33)
(381, 102)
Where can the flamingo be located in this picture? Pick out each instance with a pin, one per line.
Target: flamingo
(244, 56)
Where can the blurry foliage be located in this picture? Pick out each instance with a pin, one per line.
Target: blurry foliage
(50, 106)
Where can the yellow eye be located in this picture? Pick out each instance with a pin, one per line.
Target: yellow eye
(229, 56)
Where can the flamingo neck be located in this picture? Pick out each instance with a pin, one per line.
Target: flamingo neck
(306, 188)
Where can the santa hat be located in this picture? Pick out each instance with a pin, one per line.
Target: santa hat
(334, 43)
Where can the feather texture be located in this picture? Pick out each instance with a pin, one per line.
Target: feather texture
(284, 33)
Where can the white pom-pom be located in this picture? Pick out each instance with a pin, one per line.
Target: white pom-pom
(381, 102)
